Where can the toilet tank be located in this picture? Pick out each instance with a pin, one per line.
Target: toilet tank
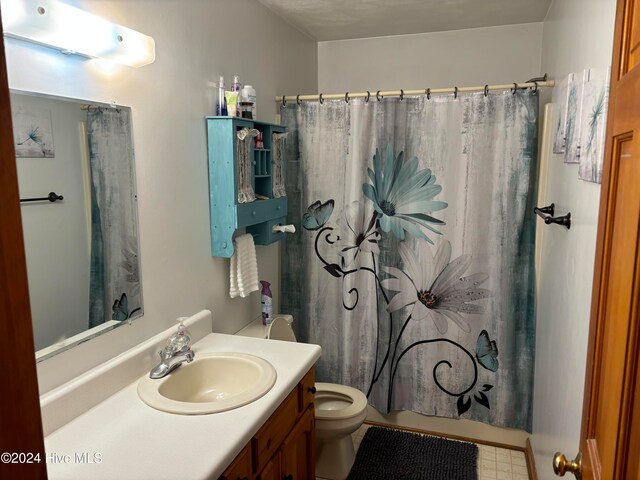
(280, 329)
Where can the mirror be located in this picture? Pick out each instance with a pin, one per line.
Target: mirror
(76, 175)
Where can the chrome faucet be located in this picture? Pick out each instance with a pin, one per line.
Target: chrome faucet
(171, 359)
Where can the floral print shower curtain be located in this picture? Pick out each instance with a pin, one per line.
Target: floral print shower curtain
(413, 268)
(114, 292)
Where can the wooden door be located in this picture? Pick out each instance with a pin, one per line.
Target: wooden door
(297, 456)
(610, 436)
(20, 425)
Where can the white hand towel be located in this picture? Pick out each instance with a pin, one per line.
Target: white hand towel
(243, 272)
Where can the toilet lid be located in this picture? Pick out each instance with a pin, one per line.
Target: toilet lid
(358, 401)
(281, 330)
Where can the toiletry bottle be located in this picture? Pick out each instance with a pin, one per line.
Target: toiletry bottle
(235, 86)
(233, 109)
(221, 103)
(179, 341)
(266, 299)
(248, 95)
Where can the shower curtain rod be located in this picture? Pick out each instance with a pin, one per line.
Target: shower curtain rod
(424, 91)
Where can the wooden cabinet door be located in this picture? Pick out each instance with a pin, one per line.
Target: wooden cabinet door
(267, 441)
(297, 455)
(271, 471)
(240, 468)
(610, 436)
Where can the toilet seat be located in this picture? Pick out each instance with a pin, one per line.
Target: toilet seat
(357, 398)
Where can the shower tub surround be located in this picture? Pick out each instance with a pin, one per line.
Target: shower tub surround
(121, 437)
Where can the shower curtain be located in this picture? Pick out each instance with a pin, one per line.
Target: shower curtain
(114, 292)
(413, 268)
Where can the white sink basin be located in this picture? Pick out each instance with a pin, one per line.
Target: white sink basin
(212, 382)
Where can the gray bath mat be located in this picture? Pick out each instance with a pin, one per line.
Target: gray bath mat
(387, 453)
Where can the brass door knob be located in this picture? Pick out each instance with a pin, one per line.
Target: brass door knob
(561, 465)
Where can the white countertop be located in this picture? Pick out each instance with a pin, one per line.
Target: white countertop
(129, 440)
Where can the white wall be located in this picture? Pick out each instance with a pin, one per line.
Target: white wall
(463, 57)
(577, 34)
(196, 41)
(56, 235)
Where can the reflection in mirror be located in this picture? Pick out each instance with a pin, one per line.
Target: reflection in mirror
(82, 251)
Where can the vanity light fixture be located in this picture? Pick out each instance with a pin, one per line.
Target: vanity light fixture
(55, 24)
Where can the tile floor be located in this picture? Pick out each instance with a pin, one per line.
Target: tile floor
(493, 463)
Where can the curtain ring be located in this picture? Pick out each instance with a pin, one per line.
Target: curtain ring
(284, 101)
(298, 100)
(321, 100)
(401, 94)
(455, 92)
(535, 89)
(428, 93)
(366, 100)
(486, 90)
(346, 97)
(378, 97)
(515, 88)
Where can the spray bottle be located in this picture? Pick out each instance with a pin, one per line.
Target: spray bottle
(266, 299)
(221, 103)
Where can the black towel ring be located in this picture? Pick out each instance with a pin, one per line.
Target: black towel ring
(455, 92)
(428, 93)
(401, 94)
(284, 101)
(535, 89)
(486, 90)
(321, 100)
(515, 88)
(366, 100)
(378, 97)
(346, 97)
(298, 100)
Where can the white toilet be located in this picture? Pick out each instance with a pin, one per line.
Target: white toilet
(340, 410)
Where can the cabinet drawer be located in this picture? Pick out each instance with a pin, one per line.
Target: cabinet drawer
(268, 439)
(307, 390)
(261, 211)
(240, 469)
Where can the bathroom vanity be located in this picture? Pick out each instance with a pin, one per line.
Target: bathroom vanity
(119, 436)
(284, 447)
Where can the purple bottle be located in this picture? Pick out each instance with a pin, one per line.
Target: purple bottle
(266, 299)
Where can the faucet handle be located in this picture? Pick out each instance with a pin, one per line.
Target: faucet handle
(165, 354)
(190, 355)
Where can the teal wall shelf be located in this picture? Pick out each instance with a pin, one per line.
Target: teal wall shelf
(227, 215)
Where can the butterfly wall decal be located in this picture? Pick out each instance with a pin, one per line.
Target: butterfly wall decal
(487, 352)
(317, 214)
